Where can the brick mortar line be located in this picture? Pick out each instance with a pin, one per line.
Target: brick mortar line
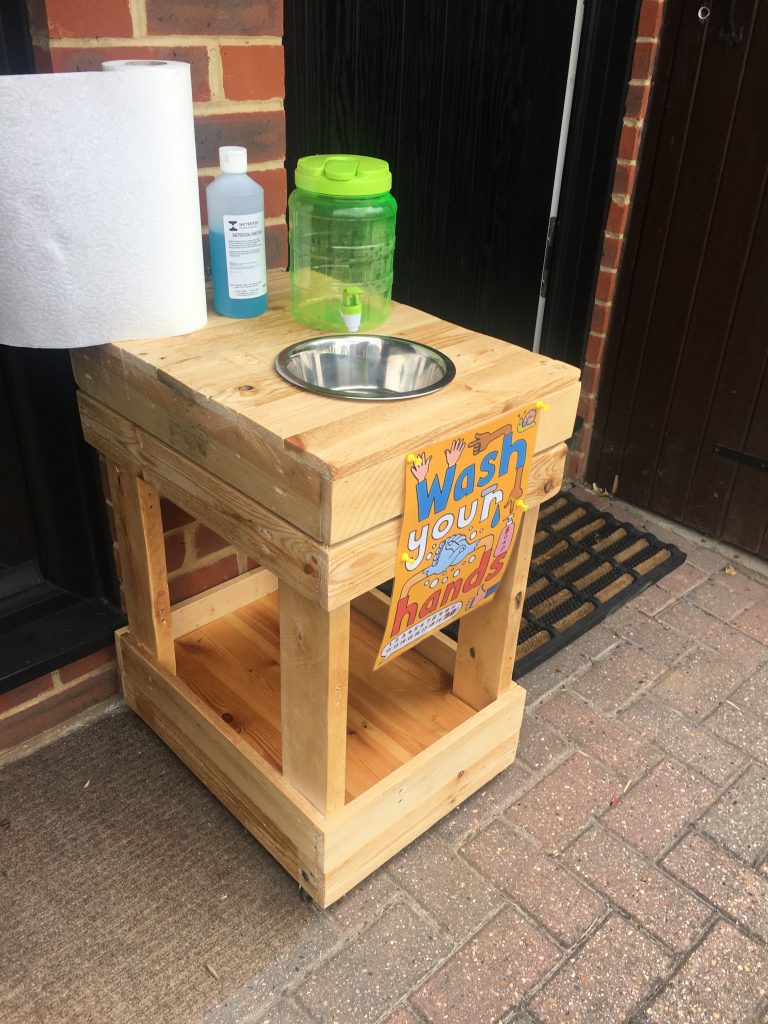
(515, 831)
(205, 562)
(215, 72)
(696, 825)
(91, 43)
(266, 165)
(138, 12)
(84, 718)
(640, 1012)
(224, 107)
(627, 914)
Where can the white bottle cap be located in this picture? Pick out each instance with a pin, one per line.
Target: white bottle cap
(233, 159)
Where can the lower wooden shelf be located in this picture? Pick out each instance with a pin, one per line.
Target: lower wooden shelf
(414, 749)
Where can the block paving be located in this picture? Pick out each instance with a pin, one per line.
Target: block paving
(616, 873)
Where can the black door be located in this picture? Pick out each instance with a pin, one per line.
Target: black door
(465, 101)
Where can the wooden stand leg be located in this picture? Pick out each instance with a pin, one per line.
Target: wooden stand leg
(485, 655)
(142, 557)
(314, 671)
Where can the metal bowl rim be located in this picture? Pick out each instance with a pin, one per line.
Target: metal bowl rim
(310, 343)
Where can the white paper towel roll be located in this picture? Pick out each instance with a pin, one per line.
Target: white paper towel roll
(99, 207)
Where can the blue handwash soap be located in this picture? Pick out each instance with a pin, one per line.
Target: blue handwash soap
(236, 226)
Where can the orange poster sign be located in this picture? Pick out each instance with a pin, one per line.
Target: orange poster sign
(463, 505)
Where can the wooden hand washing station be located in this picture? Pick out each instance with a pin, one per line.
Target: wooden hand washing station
(263, 685)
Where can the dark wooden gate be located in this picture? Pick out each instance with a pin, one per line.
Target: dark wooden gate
(682, 426)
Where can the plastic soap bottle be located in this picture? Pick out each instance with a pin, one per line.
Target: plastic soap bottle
(236, 226)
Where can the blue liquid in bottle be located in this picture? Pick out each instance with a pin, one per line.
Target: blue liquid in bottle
(236, 226)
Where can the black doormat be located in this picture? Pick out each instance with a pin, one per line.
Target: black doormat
(585, 565)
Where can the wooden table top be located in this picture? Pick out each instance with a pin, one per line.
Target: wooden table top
(215, 397)
(227, 367)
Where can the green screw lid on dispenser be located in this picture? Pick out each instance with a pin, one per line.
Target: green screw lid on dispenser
(340, 174)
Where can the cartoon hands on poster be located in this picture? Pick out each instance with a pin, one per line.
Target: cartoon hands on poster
(453, 454)
(454, 541)
(450, 552)
(420, 467)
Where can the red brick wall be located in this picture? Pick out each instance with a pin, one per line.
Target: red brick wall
(627, 156)
(236, 54)
(235, 50)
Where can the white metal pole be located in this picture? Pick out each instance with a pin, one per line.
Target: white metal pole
(573, 62)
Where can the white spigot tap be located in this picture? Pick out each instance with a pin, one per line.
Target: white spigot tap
(351, 309)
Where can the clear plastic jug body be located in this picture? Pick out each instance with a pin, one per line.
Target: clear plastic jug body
(338, 244)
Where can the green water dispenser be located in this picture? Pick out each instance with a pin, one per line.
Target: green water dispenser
(341, 232)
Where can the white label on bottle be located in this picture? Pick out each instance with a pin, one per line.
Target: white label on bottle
(246, 255)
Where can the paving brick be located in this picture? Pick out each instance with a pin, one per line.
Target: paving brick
(727, 596)
(490, 976)
(696, 624)
(658, 807)
(650, 635)
(614, 680)
(402, 1016)
(489, 801)
(754, 622)
(207, 542)
(253, 72)
(367, 978)
(698, 554)
(204, 17)
(195, 582)
(76, 58)
(175, 550)
(698, 683)
(598, 641)
(638, 887)
(28, 691)
(80, 19)
(553, 674)
(691, 743)
(724, 982)
(539, 745)
(58, 707)
(173, 516)
(365, 902)
(742, 729)
(598, 736)
(564, 802)
(607, 980)
(683, 579)
(653, 600)
(535, 882)
(433, 873)
(753, 695)
(263, 134)
(716, 875)
(739, 819)
(284, 1011)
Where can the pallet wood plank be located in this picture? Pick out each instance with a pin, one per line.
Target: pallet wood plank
(314, 677)
(139, 530)
(201, 609)
(485, 655)
(391, 814)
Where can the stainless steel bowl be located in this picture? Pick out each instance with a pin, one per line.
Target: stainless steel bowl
(366, 366)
